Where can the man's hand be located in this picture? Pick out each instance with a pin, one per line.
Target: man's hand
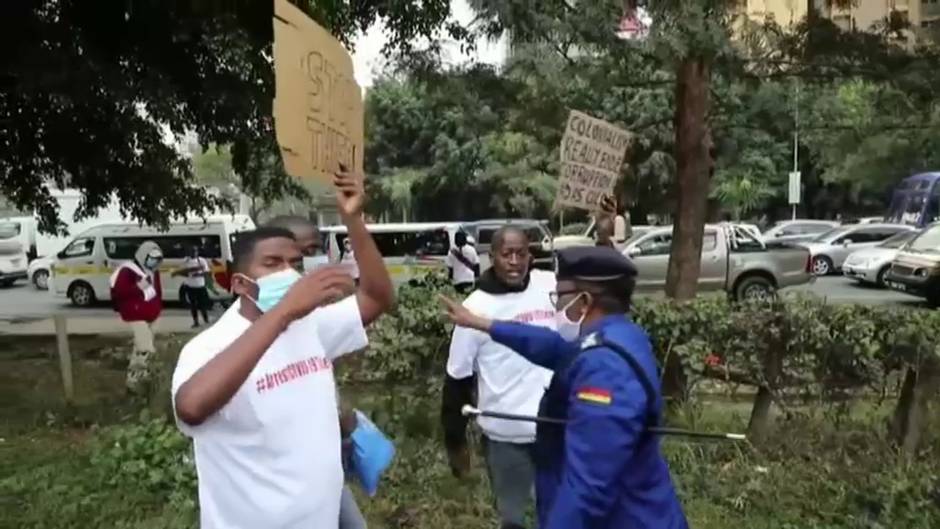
(608, 206)
(459, 315)
(327, 285)
(350, 192)
(459, 461)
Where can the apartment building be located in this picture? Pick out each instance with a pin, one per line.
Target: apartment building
(862, 15)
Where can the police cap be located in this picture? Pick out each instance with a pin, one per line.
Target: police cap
(592, 263)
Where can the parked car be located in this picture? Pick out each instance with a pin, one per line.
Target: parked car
(790, 231)
(733, 260)
(540, 239)
(38, 272)
(916, 268)
(870, 265)
(589, 237)
(830, 249)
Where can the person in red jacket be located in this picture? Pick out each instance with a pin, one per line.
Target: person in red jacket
(137, 296)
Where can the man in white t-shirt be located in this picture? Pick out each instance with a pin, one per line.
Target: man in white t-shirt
(255, 391)
(194, 272)
(463, 263)
(505, 381)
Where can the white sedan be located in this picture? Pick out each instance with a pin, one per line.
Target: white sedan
(870, 264)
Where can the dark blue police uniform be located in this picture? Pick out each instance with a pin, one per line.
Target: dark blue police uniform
(602, 469)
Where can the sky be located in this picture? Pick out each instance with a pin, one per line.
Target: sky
(368, 58)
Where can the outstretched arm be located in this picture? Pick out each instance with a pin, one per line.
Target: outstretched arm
(541, 346)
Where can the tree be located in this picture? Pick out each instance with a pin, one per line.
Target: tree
(94, 93)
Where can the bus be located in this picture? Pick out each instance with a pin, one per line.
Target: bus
(82, 270)
(916, 201)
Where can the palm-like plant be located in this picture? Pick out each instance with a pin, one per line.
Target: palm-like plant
(742, 192)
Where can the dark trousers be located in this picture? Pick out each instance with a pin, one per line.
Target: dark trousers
(198, 300)
(511, 468)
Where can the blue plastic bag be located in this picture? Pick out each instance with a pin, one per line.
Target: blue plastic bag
(372, 453)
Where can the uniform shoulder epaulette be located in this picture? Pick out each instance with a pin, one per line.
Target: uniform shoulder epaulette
(592, 340)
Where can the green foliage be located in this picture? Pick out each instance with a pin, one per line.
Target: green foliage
(93, 90)
(410, 342)
(150, 455)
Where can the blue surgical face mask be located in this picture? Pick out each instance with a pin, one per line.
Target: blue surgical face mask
(272, 287)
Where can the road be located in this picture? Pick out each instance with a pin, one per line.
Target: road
(23, 309)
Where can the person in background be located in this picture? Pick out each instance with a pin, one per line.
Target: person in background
(349, 259)
(137, 295)
(604, 222)
(194, 272)
(505, 382)
(602, 468)
(256, 390)
(605, 231)
(463, 263)
(623, 231)
(308, 239)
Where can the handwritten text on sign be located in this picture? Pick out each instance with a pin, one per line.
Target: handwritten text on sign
(318, 108)
(592, 152)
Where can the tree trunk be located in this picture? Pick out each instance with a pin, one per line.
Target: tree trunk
(693, 169)
(910, 416)
(773, 370)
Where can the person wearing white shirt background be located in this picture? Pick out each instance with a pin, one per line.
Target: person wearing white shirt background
(256, 392)
(194, 272)
(463, 263)
(505, 382)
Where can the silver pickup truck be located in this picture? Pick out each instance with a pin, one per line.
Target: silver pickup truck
(733, 260)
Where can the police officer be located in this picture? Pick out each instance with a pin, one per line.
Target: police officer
(602, 468)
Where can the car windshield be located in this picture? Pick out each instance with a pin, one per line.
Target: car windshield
(831, 234)
(899, 240)
(928, 241)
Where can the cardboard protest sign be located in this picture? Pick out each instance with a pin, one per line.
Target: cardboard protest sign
(592, 152)
(318, 111)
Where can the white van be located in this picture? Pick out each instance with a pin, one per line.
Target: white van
(82, 270)
(407, 248)
(13, 260)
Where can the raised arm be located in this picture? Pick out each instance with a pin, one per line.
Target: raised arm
(376, 293)
(206, 390)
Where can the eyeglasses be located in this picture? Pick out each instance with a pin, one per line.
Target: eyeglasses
(555, 296)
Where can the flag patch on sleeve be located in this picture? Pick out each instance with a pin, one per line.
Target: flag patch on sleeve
(595, 395)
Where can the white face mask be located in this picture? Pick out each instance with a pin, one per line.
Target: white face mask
(569, 330)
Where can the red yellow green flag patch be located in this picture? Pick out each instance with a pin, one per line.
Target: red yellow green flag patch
(595, 395)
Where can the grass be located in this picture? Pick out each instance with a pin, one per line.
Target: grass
(96, 464)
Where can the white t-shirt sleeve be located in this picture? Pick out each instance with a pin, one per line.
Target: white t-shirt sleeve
(339, 327)
(465, 344)
(194, 355)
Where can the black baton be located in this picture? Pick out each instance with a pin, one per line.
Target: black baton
(469, 410)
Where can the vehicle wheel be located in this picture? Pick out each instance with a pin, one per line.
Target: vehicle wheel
(880, 279)
(41, 279)
(7, 283)
(81, 294)
(822, 265)
(755, 288)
